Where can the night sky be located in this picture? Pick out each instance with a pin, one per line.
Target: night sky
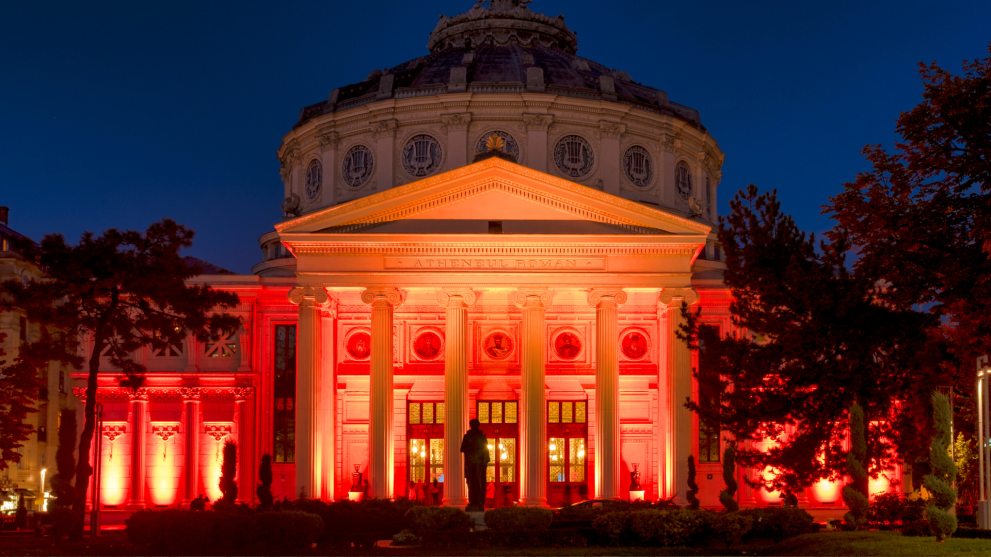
(117, 114)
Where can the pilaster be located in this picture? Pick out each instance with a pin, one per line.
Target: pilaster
(328, 159)
(191, 403)
(456, 127)
(139, 443)
(536, 140)
(610, 157)
(384, 133)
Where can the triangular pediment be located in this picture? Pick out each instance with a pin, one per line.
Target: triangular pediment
(492, 190)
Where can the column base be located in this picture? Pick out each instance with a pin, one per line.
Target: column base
(534, 502)
(459, 502)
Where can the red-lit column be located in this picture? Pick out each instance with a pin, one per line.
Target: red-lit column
(679, 369)
(533, 424)
(457, 302)
(308, 361)
(191, 403)
(381, 442)
(139, 442)
(606, 303)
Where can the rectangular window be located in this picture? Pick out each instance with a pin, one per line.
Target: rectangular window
(555, 456)
(553, 412)
(428, 413)
(708, 391)
(61, 382)
(439, 414)
(497, 412)
(414, 413)
(437, 460)
(417, 459)
(580, 412)
(576, 454)
(483, 412)
(284, 390)
(567, 412)
(507, 459)
(510, 413)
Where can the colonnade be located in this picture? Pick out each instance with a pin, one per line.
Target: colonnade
(533, 425)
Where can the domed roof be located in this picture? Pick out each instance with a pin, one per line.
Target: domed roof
(504, 48)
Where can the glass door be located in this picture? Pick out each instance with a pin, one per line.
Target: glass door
(567, 432)
(499, 423)
(425, 463)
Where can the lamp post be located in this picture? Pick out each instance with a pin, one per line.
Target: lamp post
(984, 442)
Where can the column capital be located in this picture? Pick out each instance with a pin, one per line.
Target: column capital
(600, 295)
(378, 295)
(302, 294)
(674, 296)
(456, 297)
(533, 297)
(537, 122)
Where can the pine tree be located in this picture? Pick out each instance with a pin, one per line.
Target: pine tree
(65, 460)
(264, 489)
(855, 493)
(693, 487)
(228, 471)
(728, 496)
(944, 472)
(19, 384)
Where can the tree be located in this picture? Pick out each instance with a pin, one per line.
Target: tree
(942, 496)
(264, 489)
(921, 220)
(228, 471)
(965, 457)
(728, 496)
(693, 486)
(812, 339)
(855, 493)
(122, 291)
(19, 385)
(65, 460)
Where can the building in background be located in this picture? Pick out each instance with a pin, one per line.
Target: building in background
(500, 229)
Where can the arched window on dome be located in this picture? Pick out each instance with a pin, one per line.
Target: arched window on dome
(314, 179)
(683, 180)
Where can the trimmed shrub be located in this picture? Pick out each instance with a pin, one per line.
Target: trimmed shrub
(732, 528)
(727, 497)
(264, 489)
(347, 522)
(406, 537)
(655, 528)
(290, 529)
(519, 518)
(63, 519)
(778, 523)
(572, 537)
(693, 486)
(855, 493)
(944, 471)
(439, 519)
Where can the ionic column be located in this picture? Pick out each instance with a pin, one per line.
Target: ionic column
(191, 401)
(606, 302)
(533, 426)
(679, 367)
(381, 443)
(310, 300)
(139, 443)
(457, 302)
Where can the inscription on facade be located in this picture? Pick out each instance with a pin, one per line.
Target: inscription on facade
(499, 264)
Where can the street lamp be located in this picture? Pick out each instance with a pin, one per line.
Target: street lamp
(984, 441)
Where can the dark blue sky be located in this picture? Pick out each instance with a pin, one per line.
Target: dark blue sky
(117, 114)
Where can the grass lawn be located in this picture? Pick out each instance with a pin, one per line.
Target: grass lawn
(826, 543)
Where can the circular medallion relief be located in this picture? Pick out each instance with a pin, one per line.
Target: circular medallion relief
(498, 345)
(421, 155)
(683, 180)
(511, 146)
(314, 178)
(428, 345)
(359, 345)
(357, 167)
(573, 156)
(568, 345)
(639, 167)
(634, 345)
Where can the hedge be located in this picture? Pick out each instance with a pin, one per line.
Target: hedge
(519, 518)
(179, 531)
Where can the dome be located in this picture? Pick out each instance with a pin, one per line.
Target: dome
(504, 48)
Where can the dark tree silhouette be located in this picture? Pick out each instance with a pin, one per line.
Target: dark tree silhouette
(228, 471)
(122, 290)
(693, 486)
(264, 489)
(65, 460)
(943, 496)
(19, 385)
(728, 496)
(855, 493)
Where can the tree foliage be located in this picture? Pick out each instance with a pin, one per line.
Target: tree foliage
(228, 473)
(939, 483)
(19, 385)
(728, 496)
(120, 291)
(855, 493)
(920, 220)
(814, 340)
(264, 489)
(693, 486)
(65, 460)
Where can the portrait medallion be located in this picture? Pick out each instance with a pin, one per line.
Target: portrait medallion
(635, 345)
(360, 346)
(428, 346)
(498, 345)
(568, 346)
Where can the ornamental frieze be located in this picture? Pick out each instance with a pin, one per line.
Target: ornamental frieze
(120, 394)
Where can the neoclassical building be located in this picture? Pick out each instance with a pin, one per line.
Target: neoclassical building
(500, 229)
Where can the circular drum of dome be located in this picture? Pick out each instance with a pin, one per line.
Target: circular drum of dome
(357, 167)
(422, 155)
(573, 156)
(639, 167)
(511, 146)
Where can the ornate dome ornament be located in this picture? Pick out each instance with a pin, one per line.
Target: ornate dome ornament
(357, 166)
(421, 156)
(639, 167)
(574, 156)
(503, 22)
(314, 179)
(498, 141)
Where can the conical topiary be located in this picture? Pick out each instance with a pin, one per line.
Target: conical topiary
(693, 487)
(942, 495)
(854, 493)
(264, 489)
(228, 471)
(728, 496)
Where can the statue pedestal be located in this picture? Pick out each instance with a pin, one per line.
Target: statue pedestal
(479, 518)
